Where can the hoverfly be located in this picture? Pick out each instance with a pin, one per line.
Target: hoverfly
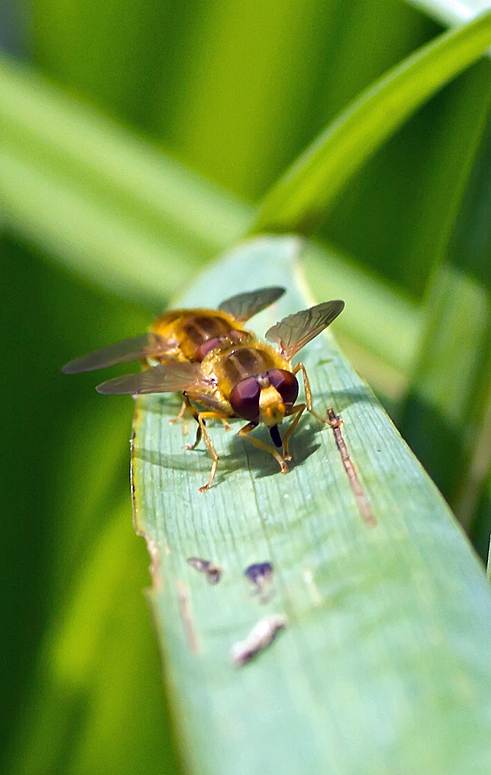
(183, 334)
(242, 378)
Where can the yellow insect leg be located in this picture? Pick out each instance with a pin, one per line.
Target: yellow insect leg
(243, 433)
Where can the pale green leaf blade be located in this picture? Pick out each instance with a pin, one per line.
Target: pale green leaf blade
(383, 666)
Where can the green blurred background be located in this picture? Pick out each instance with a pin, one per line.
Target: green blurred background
(233, 92)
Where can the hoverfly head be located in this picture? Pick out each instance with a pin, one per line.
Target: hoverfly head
(265, 398)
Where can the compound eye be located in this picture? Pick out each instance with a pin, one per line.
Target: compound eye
(244, 399)
(285, 383)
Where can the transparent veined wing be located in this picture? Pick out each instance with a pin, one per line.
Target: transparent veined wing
(245, 305)
(132, 349)
(295, 331)
(170, 377)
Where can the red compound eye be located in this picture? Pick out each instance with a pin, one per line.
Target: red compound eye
(244, 399)
(285, 383)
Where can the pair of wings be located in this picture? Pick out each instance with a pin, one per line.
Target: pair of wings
(290, 335)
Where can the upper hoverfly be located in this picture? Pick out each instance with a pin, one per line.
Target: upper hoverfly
(183, 334)
(240, 376)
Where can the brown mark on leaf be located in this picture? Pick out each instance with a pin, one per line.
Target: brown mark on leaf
(132, 480)
(363, 503)
(186, 616)
(153, 551)
(136, 418)
(261, 575)
(259, 638)
(212, 572)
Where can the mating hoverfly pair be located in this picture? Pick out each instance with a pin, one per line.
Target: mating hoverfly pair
(214, 362)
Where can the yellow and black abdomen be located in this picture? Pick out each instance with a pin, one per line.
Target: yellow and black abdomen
(194, 332)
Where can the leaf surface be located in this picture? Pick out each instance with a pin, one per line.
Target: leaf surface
(383, 666)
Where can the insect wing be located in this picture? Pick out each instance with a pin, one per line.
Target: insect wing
(245, 305)
(171, 377)
(144, 346)
(295, 331)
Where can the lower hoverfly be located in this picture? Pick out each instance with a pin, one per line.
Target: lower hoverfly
(244, 378)
(183, 334)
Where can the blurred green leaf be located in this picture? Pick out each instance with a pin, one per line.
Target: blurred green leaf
(301, 199)
(383, 666)
(451, 388)
(65, 469)
(481, 526)
(451, 12)
(450, 398)
(140, 256)
(76, 720)
(99, 200)
(370, 307)
(415, 182)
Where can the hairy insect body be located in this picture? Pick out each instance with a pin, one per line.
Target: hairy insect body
(242, 380)
(253, 381)
(183, 335)
(191, 334)
(208, 357)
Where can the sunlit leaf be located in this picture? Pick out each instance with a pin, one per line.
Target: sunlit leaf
(383, 665)
(450, 11)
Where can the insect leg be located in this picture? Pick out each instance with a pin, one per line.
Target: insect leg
(298, 410)
(308, 392)
(188, 405)
(201, 416)
(243, 433)
(180, 415)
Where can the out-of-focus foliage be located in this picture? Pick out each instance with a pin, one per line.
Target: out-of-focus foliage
(236, 91)
(449, 12)
(304, 196)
